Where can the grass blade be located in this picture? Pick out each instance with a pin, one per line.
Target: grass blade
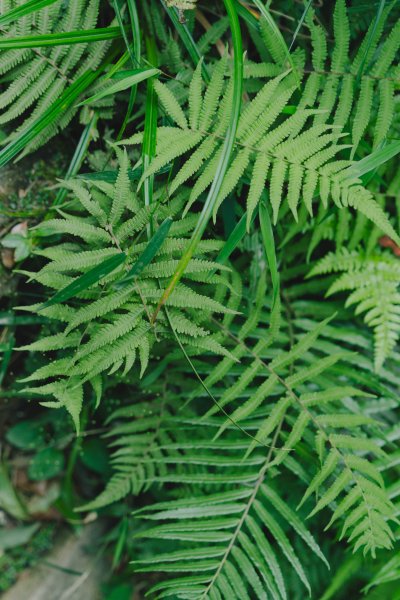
(148, 253)
(277, 35)
(86, 280)
(135, 59)
(246, 14)
(208, 207)
(234, 239)
(61, 39)
(9, 346)
(374, 160)
(123, 32)
(150, 130)
(124, 82)
(371, 37)
(25, 9)
(187, 39)
(300, 24)
(111, 176)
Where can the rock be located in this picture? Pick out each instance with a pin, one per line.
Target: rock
(74, 570)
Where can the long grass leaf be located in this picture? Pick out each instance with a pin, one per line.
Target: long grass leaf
(269, 246)
(86, 280)
(223, 165)
(25, 9)
(374, 160)
(78, 157)
(187, 40)
(148, 253)
(124, 82)
(61, 39)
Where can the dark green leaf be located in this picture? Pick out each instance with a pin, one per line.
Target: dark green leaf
(26, 435)
(46, 464)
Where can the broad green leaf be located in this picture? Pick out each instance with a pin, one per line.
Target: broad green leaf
(16, 536)
(27, 435)
(46, 464)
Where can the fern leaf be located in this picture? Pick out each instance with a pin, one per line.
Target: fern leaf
(276, 190)
(121, 191)
(342, 37)
(195, 96)
(170, 104)
(363, 112)
(212, 95)
(259, 176)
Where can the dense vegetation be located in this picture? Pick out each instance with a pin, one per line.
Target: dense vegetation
(200, 291)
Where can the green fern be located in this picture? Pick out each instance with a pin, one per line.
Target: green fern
(232, 530)
(301, 155)
(105, 316)
(373, 281)
(251, 416)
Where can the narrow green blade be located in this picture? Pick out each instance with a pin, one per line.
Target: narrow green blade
(374, 160)
(123, 83)
(148, 253)
(269, 245)
(187, 39)
(78, 157)
(277, 35)
(86, 36)
(223, 165)
(86, 280)
(25, 9)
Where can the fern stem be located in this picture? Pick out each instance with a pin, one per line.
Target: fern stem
(246, 511)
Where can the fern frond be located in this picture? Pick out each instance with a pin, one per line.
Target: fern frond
(302, 158)
(171, 104)
(373, 281)
(105, 316)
